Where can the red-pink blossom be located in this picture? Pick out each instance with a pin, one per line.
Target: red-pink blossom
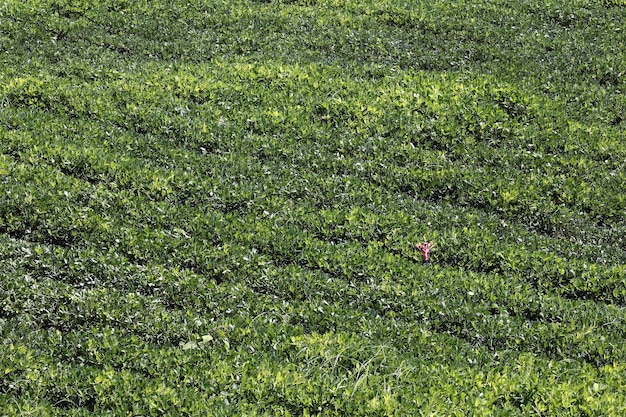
(425, 249)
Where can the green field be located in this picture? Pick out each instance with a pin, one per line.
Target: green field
(211, 207)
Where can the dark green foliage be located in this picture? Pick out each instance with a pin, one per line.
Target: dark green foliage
(211, 208)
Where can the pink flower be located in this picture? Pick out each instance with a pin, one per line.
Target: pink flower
(425, 249)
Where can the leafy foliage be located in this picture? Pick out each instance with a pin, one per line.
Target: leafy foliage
(212, 207)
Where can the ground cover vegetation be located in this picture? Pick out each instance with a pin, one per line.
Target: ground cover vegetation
(211, 207)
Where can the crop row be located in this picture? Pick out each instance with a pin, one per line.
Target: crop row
(382, 330)
(552, 48)
(354, 247)
(461, 145)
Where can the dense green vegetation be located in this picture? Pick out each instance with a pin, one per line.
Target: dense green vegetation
(210, 207)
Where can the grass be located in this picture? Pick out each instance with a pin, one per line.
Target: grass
(212, 207)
